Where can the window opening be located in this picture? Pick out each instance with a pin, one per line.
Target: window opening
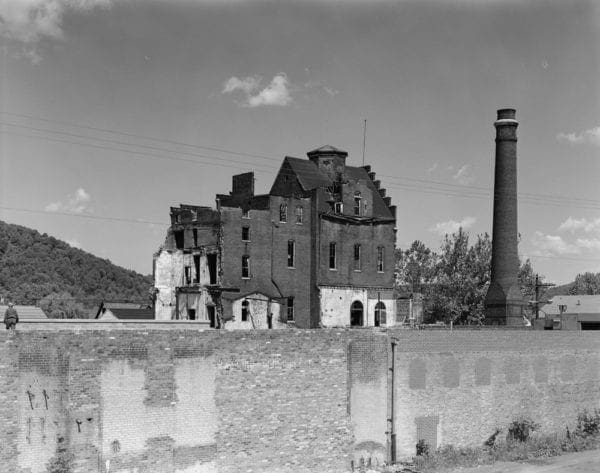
(195, 234)
(188, 275)
(245, 310)
(380, 255)
(357, 258)
(179, 239)
(245, 233)
(332, 256)
(283, 213)
(380, 315)
(211, 260)
(299, 214)
(197, 268)
(291, 253)
(290, 309)
(246, 266)
(357, 201)
(356, 314)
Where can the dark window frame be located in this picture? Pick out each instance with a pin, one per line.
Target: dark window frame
(299, 215)
(245, 310)
(332, 255)
(245, 267)
(283, 213)
(245, 233)
(357, 265)
(380, 259)
(290, 309)
(291, 254)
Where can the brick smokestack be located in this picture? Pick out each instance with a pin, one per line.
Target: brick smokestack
(504, 300)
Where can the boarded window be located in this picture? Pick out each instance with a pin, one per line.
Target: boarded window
(483, 372)
(512, 371)
(245, 233)
(357, 258)
(427, 431)
(417, 374)
(245, 266)
(291, 253)
(540, 370)
(332, 255)
(568, 366)
(451, 373)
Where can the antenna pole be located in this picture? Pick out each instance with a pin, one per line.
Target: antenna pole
(364, 141)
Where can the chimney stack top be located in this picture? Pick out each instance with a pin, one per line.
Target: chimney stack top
(506, 114)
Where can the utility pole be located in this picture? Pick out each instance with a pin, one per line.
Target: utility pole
(538, 286)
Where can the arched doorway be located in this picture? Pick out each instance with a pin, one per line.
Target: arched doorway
(380, 316)
(356, 314)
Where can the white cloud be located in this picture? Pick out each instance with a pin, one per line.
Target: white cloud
(452, 226)
(277, 93)
(588, 243)
(29, 21)
(573, 224)
(433, 168)
(591, 136)
(76, 203)
(550, 245)
(463, 175)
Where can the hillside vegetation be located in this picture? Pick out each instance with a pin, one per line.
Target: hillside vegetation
(34, 266)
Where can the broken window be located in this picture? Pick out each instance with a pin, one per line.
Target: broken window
(246, 266)
(196, 269)
(291, 253)
(212, 318)
(245, 213)
(332, 258)
(380, 254)
(179, 239)
(299, 212)
(191, 314)
(188, 275)
(290, 309)
(211, 260)
(245, 310)
(283, 213)
(338, 208)
(357, 261)
(357, 201)
(195, 235)
(245, 233)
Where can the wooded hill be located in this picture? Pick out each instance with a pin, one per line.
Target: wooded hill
(34, 266)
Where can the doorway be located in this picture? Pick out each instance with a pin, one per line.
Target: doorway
(356, 314)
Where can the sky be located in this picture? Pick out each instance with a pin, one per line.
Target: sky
(111, 111)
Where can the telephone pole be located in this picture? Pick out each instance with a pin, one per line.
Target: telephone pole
(538, 286)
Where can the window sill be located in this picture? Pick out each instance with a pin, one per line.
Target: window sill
(291, 267)
(380, 272)
(246, 241)
(298, 223)
(332, 269)
(245, 277)
(358, 270)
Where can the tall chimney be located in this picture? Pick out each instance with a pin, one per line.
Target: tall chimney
(504, 300)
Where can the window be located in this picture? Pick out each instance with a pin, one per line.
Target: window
(290, 309)
(380, 315)
(188, 275)
(245, 233)
(356, 314)
(299, 214)
(211, 261)
(179, 239)
(357, 201)
(332, 261)
(283, 213)
(191, 314)
(245, 213)
(246, 266)
(245, 310)
(357, 261)
(196, 269)
(380, 254)
(338, 208)
(195, 234)
(291, 253)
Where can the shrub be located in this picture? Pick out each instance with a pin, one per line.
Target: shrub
(492, 439)
(422, 448)
(588, 424)
(521, 429)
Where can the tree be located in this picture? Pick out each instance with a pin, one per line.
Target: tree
(586, 284)
(62, 306)
(415, 267)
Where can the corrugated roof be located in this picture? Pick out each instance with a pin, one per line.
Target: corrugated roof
(26, 312)
(582, 304)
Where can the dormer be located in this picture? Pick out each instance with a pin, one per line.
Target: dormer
(330, 160)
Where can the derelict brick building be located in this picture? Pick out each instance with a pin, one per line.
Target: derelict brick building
(317, 251)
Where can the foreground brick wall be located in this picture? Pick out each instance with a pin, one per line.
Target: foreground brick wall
(459, 387)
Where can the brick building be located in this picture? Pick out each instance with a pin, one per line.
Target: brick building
(316, 251)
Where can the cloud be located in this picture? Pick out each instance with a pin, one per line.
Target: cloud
(452, 226)
(573, 224)
(551, 245)
(29, 21)
(277, 93)
(433, 168)
(331, 91)
(588, 244)
(76, 203)
(591, 136)
(463, 175)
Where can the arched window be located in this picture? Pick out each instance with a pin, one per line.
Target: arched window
(380, 316)
(283, 213)
(356, 314)
(245, 310)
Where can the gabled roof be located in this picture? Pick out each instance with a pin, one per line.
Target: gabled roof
(308, 174)
(582, 304)
(128, 314)
(26, 312)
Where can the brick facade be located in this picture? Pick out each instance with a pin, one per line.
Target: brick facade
(275, 251)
